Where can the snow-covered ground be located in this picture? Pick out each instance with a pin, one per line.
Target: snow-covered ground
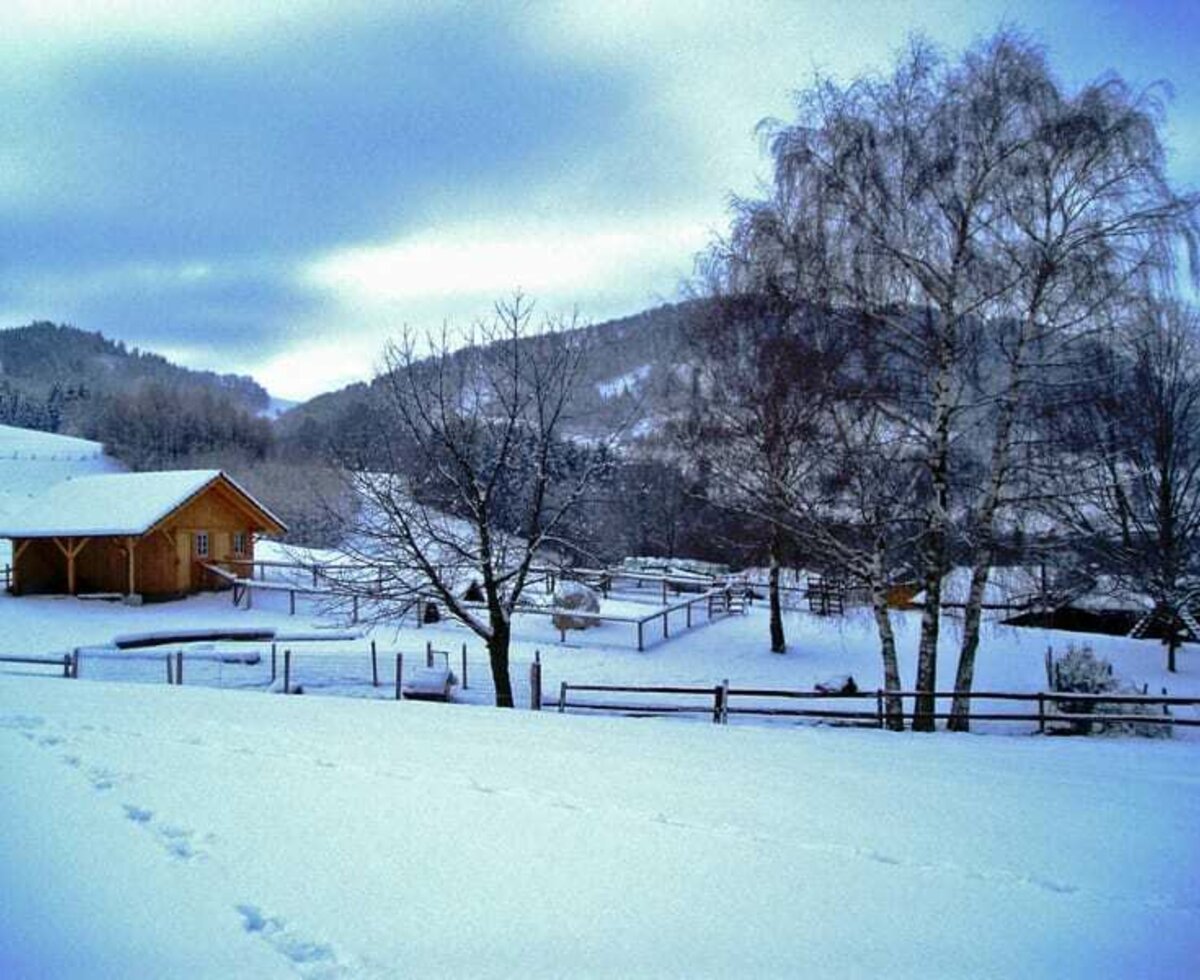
(198, 831)
(154, 831)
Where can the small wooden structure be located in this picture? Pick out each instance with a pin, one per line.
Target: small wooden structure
(146, 534)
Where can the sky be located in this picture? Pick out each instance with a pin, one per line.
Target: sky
(277, 188)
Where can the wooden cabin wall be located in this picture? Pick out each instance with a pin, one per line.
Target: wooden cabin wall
(41, 569)
(100, 566)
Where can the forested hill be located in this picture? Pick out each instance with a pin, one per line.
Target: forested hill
(37, 357)
(145, 409)
(634, 366)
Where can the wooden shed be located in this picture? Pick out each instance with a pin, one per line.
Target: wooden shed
(148, 534)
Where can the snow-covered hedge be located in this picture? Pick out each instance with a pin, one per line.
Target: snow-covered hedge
(1080, 671)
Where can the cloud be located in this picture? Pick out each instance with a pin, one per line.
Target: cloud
(276, 187)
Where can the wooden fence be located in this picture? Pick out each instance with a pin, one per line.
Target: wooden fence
(66, 662)
(719, 702)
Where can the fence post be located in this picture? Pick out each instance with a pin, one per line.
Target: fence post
(291, 602)
(879, 708)
(666, 616)
(66, 665)
(535, 683)
(75, 658)
(664, 588)
(170, 671)
(287, 671)
(689, 615)
(639, 629)
(428, 653)
(273, 670)
(717, 707)
(399, 673)
(1041, 713)
(464, 666)
(179, 667)
(355, 620)
(562, 697)
(374, 666)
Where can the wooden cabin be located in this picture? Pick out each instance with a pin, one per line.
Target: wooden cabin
(138, 534)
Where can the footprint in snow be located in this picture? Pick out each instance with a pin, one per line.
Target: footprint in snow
(178, 842)
(312, 959)
(138, 814)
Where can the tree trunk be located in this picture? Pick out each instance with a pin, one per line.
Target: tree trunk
(960, 710)
(778, 640)
(893, 705)
(497, 646)
(937, 522)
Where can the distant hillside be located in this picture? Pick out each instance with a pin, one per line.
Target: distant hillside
(147, 411)
(633, 366)
(39, 358)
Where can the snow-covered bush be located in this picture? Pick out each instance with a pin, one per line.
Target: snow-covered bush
(1080, 671)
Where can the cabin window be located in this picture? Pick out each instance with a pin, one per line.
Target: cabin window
(239, 543)
(201, 544)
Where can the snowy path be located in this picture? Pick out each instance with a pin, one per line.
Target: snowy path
(189, 832)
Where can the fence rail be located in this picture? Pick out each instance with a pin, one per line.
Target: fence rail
(1052, 707)
(65, 662)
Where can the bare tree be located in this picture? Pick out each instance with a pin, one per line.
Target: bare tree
(1132, 496)
(946, 202)
(1085, 218)
(478, 481)
(764, 378)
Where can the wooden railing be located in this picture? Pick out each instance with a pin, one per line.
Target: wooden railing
(65, 662)
(1050, 705)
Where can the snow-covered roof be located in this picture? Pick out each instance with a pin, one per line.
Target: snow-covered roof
(112, 504)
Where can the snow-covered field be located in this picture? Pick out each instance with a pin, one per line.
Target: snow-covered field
(154, 831)
(149, 830)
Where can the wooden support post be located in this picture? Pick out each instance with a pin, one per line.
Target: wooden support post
(66, 665)
(641, 646)
(535, 683)
(666, 616)
(179, 667)
(130, 546)
(75, 659)
(562, 697)
(273, 663)
(1041, 713)
(664, 591)
(879, 708)
(464, 666)
(428, 653)
(688, 607)
(399, 673)
(287, 671)
(170, 672)
(291, 602)
(374, 666)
